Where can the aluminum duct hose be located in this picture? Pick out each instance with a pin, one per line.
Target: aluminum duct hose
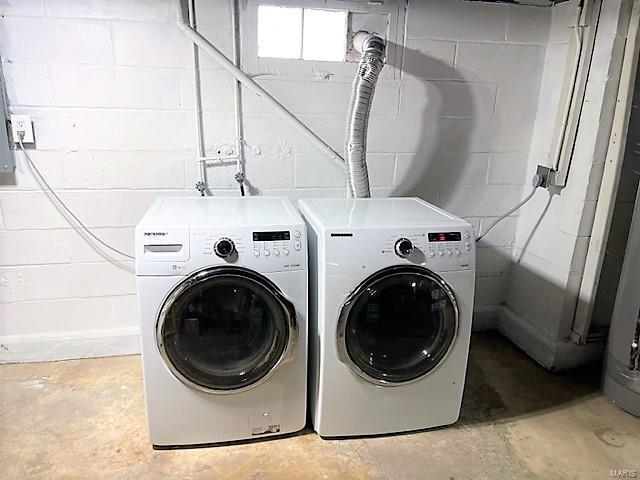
(371, 63)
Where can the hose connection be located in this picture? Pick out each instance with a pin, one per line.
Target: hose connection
(201, 187)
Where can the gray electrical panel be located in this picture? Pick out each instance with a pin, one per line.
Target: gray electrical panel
(7, 160)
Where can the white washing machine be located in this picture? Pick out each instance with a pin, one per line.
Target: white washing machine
(391, 297)
(222, 295)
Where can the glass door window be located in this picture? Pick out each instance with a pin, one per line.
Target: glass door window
(398, 325)
(225, 329)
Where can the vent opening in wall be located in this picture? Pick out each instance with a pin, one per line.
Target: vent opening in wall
(302, 33)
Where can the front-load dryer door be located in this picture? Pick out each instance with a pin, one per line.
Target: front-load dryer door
(225, 330)
(397, 325)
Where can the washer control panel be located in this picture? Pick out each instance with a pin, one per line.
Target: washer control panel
(268, 249)
(184, 249)
(276, 243)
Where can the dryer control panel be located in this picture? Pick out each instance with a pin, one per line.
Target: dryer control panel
(449, 249)
(449, 244)
(446, 248)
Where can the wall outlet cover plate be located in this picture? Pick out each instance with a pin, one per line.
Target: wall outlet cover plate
(22, 123)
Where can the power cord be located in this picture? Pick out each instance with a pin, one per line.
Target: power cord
(537, 182)
(45, 185)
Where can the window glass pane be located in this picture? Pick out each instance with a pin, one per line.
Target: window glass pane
(325, 35)
(279, 32)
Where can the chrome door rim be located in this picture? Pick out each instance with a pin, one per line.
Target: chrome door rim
(341, 342)
(238, 272)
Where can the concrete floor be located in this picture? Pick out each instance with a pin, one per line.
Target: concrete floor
(85, 419)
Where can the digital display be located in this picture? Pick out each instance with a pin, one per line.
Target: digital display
(445, 237)
(271, 236)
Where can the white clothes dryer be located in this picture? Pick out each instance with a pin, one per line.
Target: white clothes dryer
(391, 298)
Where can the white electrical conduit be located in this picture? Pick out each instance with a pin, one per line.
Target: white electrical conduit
(572, 88)
(251, 85)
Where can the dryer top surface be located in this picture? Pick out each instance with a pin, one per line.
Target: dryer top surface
(376, 213)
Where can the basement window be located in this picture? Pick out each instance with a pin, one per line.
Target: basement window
(312, 39)
(302, 33)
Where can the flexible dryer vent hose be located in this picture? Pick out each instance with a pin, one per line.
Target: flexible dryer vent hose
(372, 48)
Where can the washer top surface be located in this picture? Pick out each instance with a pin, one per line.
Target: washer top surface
(221, 211)
(376, 212)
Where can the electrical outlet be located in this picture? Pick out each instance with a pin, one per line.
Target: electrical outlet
(545, 173)
(22, 124)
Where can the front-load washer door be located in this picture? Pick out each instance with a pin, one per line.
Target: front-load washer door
(225, 330)
(397, 325)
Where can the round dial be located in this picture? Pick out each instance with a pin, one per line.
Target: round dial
(224, 247)
(403, 247)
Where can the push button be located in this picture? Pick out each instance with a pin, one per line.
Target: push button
(297, 245)
(467, 246)
(276, 253)
(285, 251)
(297, 234)
(256, 253)
(267, 253)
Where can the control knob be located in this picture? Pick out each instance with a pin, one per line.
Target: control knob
(224, 247)
(403, 247)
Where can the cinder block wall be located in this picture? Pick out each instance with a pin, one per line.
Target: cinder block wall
(554, 232)
(109, 87)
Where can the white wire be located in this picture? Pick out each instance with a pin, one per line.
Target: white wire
(502, 217)
(52, 192)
